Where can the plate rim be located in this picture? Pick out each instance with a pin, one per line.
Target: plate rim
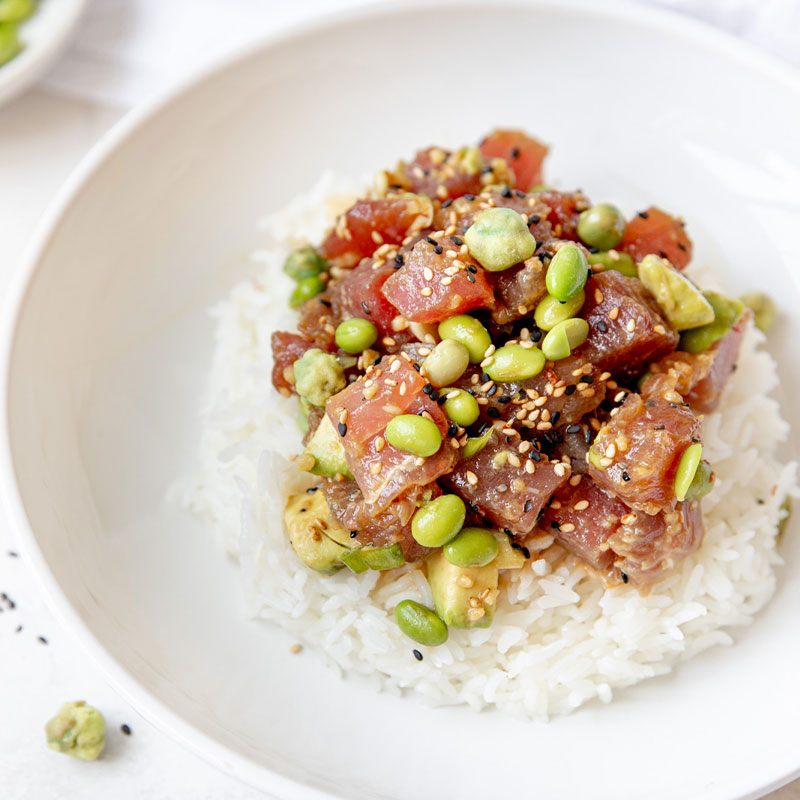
(127, 685)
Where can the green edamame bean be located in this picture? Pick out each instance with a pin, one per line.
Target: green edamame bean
(469, 332)
(549, 312)
(475, 444)
(355, 335)
(687, 467)
(10, 45)
(446, 363)
(439, 521)
(414, 434)
(702, 483)
(304, 263)
(420, 623)
(614, 259)
(764, 310)
(601, 226)
(305, 290)
(499, 238)
(16, 10)
(473, 547)
(512, 362)
(567, 273)
(726, 312)
(564, 338)
(463, 409)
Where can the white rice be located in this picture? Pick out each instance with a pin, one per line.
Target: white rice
(559, 638)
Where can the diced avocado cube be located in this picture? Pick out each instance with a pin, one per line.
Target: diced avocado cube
(507, 556)
(465, 597)
(316, 537)
(328, 451)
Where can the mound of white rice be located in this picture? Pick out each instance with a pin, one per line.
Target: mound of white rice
(559, 638)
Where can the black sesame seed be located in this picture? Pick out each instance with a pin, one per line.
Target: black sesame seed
(470, 277)
(536, 334)
(601, 326)
(416, 366)
(457, 240)
(485, 377)
(485, 170)
(493, 413)
(469, 196)
(42, 639)
(18, 629)
(663, 255)
(431, 240)
(492, 390)
(312, 489)
(526, 552)
(326, 303)
(365, 307)
(438, 249)
(556, 417)
(126, 729)
(587, 437)
(506, 192)
(625, 476)
(681, 246)
(534, 219)
(447, 203)
(624, 577)
(555, 525)
(353, 534)
(539, 243)
(504, 398)
(643, 214)
(342, 429)
(588, 378)
(452, 430)
(528, 506)
(434, 395)
(398, 261)
(417, 655)
(519, 193)
(472, 268)
(515, 152)
(427, 388)
(473, 507)
(573, 428)
(536, 456)
(507, 532)
(516, 546)
(540, 514)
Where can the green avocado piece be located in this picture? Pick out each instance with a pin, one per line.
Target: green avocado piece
(378, 558)
(456, 592)
(316, 537)
(507, 557)
(681, 301)
(328, 451)
(726, 313)
(77, 730)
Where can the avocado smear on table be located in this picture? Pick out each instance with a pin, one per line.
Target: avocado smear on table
(77, 730)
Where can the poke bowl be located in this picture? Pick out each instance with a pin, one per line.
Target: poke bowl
(111, 352)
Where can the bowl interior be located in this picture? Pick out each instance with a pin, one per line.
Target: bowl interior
(113, 344)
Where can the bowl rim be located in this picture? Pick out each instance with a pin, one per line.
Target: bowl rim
(37, 56)
(127, 685)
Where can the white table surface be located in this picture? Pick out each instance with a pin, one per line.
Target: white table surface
(42, 136)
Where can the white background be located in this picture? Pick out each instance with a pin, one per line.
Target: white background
(126, 50)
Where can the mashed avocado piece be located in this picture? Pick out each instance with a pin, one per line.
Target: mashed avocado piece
(318, 376)
(77, 730)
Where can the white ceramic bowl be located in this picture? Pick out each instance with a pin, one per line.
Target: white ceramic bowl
(110, 344)
(45, 34)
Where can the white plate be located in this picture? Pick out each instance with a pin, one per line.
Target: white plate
(110, 345)
(44, 35)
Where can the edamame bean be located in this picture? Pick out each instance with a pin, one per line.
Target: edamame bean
(446, 363)
(473, 547)
(463, 409)
(726, 312)
(687, 467)
(512, 362)
(564, 338)
(601, 226)
(420, 623)
(355, 335)
(304, 263)
(499, 238)
(764, 310)
(16, 10)
(549, 312)
(475, 444)
(567, 273)
(614, 259)
(469, 332)
(438, 521)
(414, 434)
(702, 483)
(305, 290)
